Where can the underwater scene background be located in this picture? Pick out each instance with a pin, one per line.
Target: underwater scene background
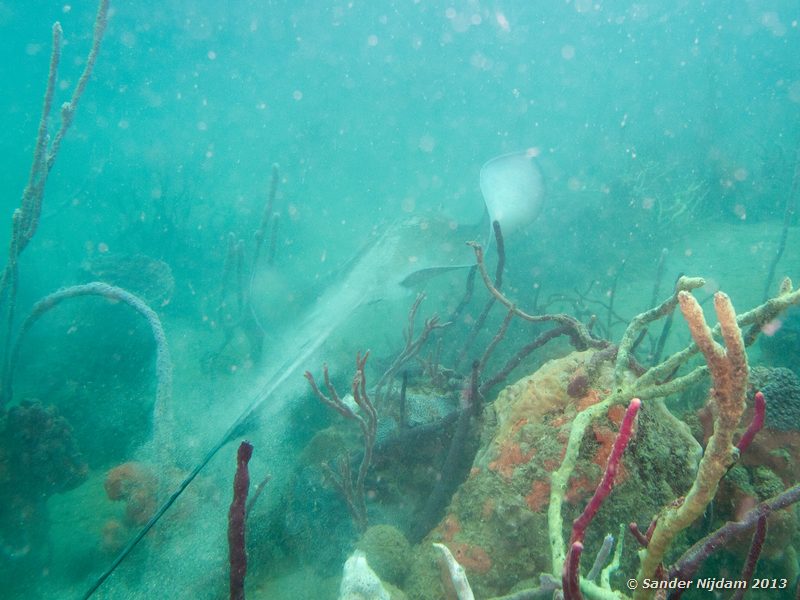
(249, 222)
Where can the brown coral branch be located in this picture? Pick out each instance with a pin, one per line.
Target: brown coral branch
(353, 492)
(501, 332)
(412, 345)
(515, 360)
(498, 283)
(579, 333)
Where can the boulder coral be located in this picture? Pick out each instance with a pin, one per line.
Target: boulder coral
(388, 552)
(133, 484)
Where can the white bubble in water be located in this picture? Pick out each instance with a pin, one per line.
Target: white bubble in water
(427, 143)
(794, 92)
(772, 327)
(772, 21)
(568, 52)
(128, 39)
(502, 21)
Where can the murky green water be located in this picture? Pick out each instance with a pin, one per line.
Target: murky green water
(251, 190)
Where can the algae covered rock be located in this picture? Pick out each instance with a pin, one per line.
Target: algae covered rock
(496, 525)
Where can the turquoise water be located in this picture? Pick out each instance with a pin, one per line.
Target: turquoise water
(667, 135)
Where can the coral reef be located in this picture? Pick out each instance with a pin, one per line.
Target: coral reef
(38, 458)
(496, 525)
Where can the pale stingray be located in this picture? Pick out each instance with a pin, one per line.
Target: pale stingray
(513, 189)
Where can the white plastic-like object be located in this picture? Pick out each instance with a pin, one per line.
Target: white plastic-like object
(513, 190)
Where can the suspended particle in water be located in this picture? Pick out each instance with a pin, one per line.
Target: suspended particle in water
(502, 21)
(427, 143)
(771, 328)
